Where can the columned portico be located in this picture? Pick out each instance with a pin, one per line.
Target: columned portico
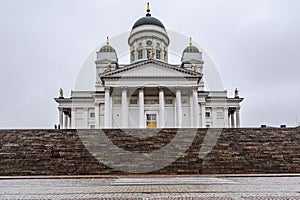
(178, 107)
(124, 108)
(161, 107)
(141, 108)
(107, 110)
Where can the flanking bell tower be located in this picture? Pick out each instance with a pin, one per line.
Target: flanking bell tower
(192, 60)
(106, 61)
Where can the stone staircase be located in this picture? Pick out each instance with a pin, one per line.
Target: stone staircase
(80, 152)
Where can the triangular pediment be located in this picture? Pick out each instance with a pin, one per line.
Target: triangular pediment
(151, 68)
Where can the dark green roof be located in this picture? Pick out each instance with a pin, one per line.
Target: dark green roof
(107, 48)
(148, 20)
(191, 49)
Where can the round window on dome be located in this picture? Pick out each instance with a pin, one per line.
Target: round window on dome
(149, 43)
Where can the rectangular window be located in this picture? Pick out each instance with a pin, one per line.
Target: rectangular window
(133, 101)
(169, 101)
(140, 54)
(140, 44)
(157, 54)
(92, 115)
(132, 56)
(220, 115)
(117, 101)
(151, 121)
(92, 126)
(207, 114)
(158, 44)
(207, 126)
(151, 101)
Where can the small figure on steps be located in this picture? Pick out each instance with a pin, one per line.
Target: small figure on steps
(52, 151)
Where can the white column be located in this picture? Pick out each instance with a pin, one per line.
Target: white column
(110, 117)
(61, 119)
(73, 118)
(232, 119)
(65, 121)
(179, 107)
(141, 108)
(86, 119)
(226, 124)
(191, 110)
(203, 118)
(97, 115)
(161, 107)
(237, 117)
(69, 120)
(124, 108)
(107, 108)
(195, 105)
(101, 117)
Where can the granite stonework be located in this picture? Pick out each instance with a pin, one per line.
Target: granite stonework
(240, 150)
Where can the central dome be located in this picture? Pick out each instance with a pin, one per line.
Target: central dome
(148, 20)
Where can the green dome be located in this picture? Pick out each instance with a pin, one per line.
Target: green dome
(148, 20)
(191, 49)
(107, 48)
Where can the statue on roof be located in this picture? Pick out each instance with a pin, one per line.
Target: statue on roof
(61, 93)
(236, 93)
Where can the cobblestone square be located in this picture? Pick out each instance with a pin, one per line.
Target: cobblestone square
(149, 188)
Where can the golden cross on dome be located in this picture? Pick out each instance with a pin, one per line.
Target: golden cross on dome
(191, 41)
(148, 10)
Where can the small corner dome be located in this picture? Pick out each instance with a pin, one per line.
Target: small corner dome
(191, 49)
(107, 48)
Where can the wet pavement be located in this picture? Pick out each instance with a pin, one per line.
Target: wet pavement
(152, 188)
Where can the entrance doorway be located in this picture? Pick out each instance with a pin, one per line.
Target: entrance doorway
(151, 120)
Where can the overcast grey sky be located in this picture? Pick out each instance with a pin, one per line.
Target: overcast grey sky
(253, 43)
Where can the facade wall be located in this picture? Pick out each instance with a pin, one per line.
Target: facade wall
(214, 116)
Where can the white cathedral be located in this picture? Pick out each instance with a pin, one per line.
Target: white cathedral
(149, 92)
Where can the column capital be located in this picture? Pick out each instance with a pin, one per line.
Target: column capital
(141, 88)
(106, 88)
(194, 88)
(161, 88)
